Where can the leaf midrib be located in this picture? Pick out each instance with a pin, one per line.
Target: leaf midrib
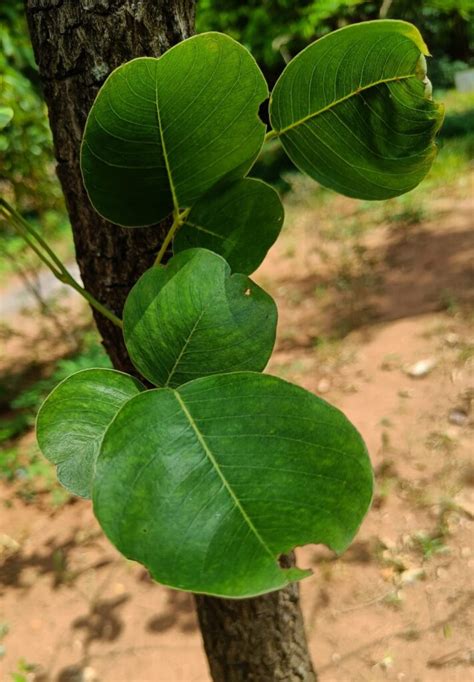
(163, 145)
(216, 467)
(185, 345)
(333, 104)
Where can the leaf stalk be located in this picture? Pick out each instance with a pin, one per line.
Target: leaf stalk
(179, 220)
(271, 135)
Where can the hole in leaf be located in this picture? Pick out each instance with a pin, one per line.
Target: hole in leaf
(263, 113)
(286, 561)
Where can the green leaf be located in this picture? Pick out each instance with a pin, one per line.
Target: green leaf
(73, 419)
(6, 115)
(164, 131)
(208, 484)
(354, 110)
(192, 318)
(240, 222)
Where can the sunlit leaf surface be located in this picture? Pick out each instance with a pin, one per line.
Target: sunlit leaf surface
(208, 484)
(73, 419)
(354, 110)
(193, 318)
(163, 131)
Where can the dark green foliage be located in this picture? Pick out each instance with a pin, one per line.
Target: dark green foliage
(27, 173)
(278, 29)
(187, 123)
(231, 471)
(458, 124)
(239, 221)
(193, 318)
(25, 144)
(367, 127)
(209, 478)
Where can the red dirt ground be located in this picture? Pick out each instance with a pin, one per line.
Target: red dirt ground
(355, 315)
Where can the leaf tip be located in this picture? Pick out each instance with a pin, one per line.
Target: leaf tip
(295, 574)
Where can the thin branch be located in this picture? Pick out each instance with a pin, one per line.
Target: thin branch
(33, 246)
(51, 260)
(31, 231)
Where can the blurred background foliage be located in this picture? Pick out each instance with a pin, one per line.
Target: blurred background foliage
(27, 175)
(274, 31)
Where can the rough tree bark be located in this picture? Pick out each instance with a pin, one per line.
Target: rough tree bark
(256, 640)
(77, 43)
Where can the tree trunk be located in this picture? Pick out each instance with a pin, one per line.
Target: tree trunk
(77, 43)
(256, 640)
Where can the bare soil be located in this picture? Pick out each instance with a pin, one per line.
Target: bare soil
(357, 312)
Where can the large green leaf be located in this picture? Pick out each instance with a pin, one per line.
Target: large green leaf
(73, 419)
(354, 110)
(191, 318)
(208, 484)
(163, 131)
(240, 222)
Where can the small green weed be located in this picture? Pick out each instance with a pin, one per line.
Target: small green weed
(450, 302)
(466, 353)
(429, 545)
(440, 442)
(9, 464)
(23, 671)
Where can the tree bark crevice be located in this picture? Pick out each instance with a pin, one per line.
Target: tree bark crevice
(77, 43)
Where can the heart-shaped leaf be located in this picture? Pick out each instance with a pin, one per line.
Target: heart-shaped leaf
(354, 110)
(208, 484)
(73, 419)
(240, 222)
(164, 131)
(192, 318)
